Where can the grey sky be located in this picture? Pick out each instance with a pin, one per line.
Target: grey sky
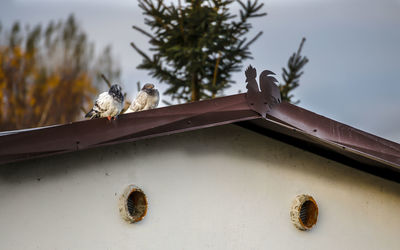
(353, 46)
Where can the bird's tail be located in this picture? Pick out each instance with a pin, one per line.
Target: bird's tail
(129, 110)
(91, 114)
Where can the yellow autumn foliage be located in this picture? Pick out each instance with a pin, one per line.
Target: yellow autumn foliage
(29, 98)
(47, 77)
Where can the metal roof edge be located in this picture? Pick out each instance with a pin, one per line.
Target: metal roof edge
(282, 120)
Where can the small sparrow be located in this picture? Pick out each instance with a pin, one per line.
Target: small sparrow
(147, 98)
(108, 104)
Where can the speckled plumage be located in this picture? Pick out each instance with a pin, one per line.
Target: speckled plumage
(147, 98)
(108, 104)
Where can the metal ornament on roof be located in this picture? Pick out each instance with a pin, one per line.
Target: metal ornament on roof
(264, 98)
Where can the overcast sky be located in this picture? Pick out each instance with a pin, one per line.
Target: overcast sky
(353, 46)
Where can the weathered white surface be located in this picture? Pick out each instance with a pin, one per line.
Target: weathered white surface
(218, 188)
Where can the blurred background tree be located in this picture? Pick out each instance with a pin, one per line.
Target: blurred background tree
(197, 45)
(48, 75)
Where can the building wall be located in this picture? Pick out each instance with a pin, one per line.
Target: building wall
(216, 188)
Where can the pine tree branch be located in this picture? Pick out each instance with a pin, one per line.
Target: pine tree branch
(253, 40)
(140, 52)
(291, 76)
(142, 31)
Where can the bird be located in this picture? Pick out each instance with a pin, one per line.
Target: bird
(108, 104)
(147, 98)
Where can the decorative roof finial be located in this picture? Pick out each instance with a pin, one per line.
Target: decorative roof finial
(261, 101)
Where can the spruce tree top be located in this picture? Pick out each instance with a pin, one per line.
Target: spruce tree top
(196, 45)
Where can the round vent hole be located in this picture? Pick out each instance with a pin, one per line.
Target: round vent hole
(133, 204)
(308, 214)
(304, 212)
(137, 204)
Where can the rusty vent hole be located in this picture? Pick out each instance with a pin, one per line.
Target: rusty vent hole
(308, 213)
(133, 204)
(137, 204)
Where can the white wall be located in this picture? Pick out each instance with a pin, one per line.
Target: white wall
(218, 188)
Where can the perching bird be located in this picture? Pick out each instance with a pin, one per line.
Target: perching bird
(147, 98)
(108, 104)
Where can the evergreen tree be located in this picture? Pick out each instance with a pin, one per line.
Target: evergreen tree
(197, 45)
(291, 75)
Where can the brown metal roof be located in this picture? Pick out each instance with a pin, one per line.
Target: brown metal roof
(283, 121)
(27, 144)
